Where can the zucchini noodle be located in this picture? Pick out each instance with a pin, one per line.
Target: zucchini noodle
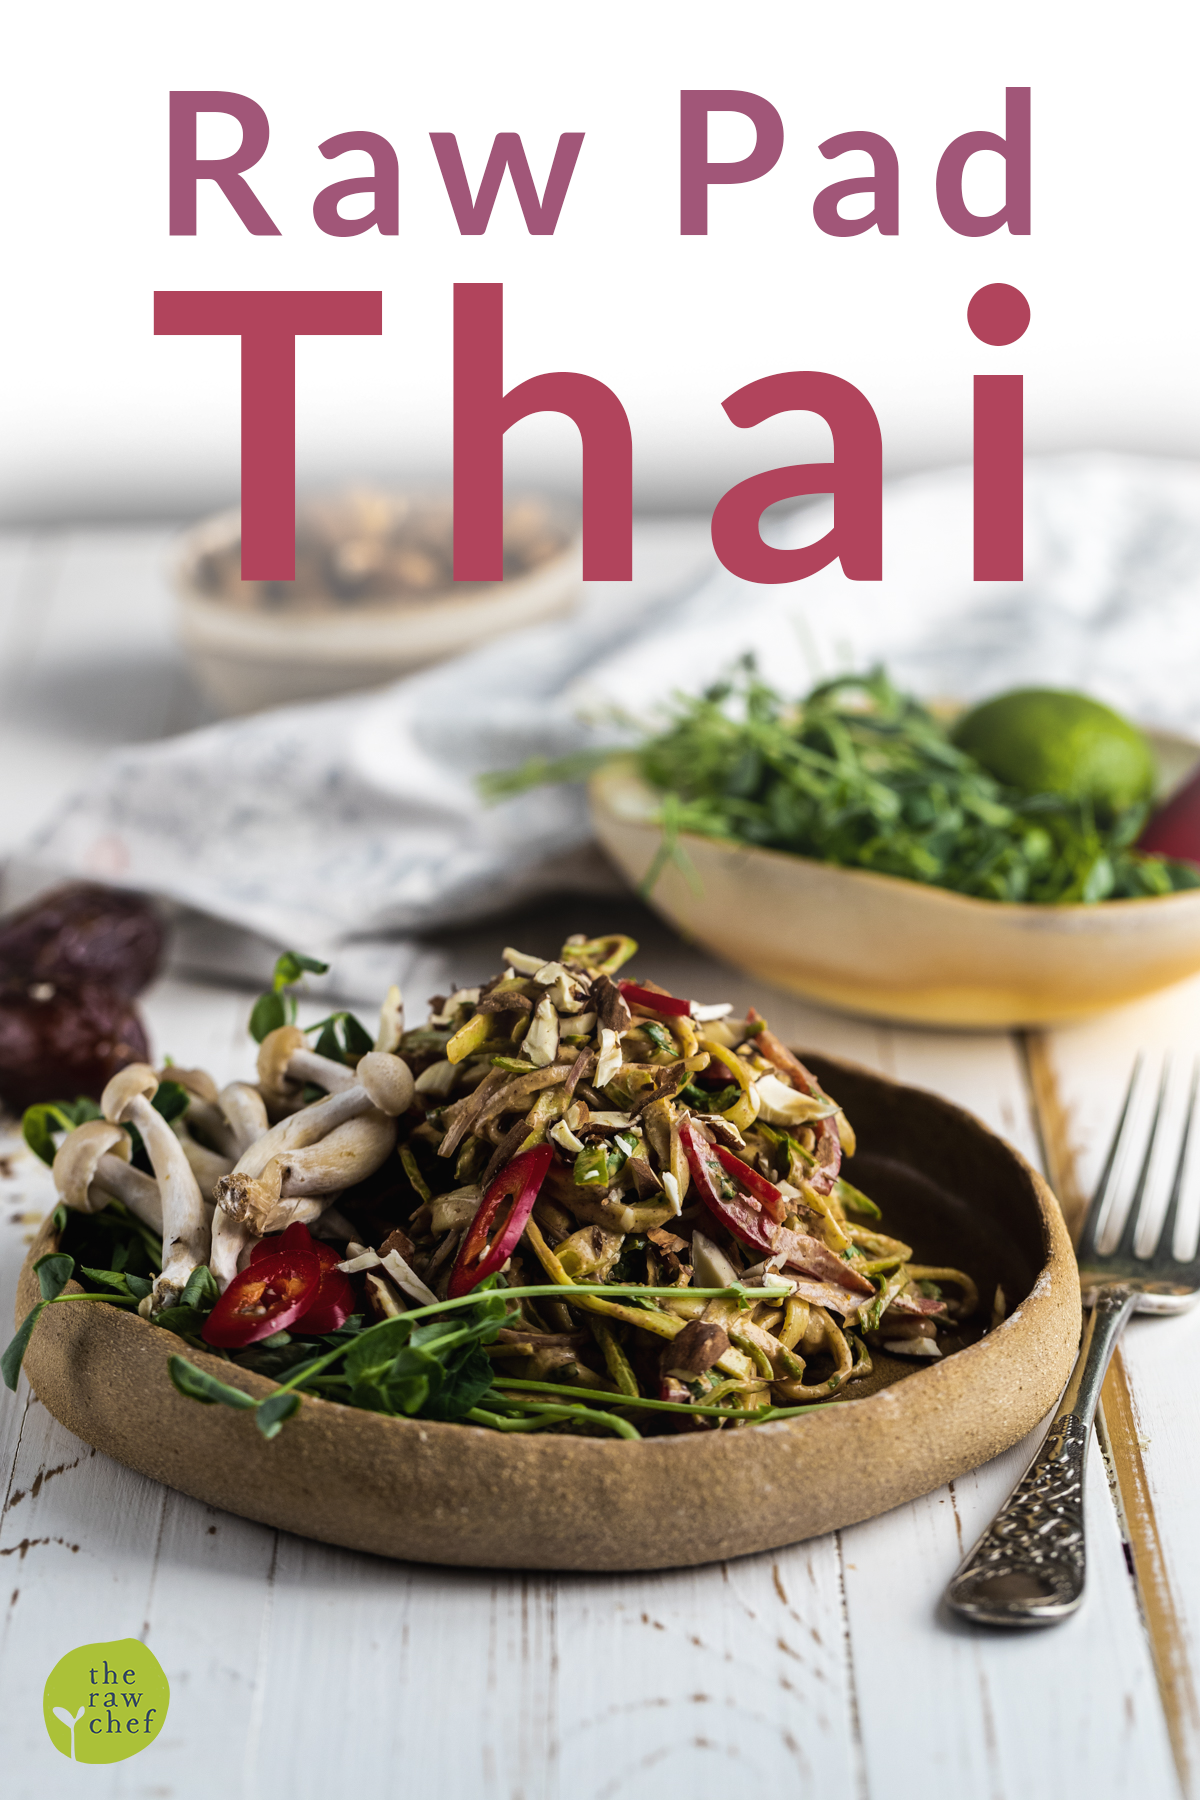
(604, 1209)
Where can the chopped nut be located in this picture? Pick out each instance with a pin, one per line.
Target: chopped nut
(398, 1241)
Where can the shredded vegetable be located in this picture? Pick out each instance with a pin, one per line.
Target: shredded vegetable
(607, 1209)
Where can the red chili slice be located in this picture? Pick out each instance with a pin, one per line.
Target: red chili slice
(265, 1298)
(740, 1214)
(517, 1185)
(654, 1001)
(334, 1300)
(296, 1237)
(762, 1190)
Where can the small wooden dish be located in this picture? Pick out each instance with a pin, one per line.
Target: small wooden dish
(894, 949)
(245, 659)
(429, 1492)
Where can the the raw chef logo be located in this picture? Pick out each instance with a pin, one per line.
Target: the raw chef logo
(104, 1702)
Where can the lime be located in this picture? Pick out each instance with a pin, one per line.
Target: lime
(1046, 741)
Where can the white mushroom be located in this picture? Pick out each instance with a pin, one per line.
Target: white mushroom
(245, 1113)
(186, 1234)
(92, 1167)
(206, 1165)
(230, 1239)
(380, 1081)
(286, 1066)
(206, 1123)
(341, 1159)
(249, 1197)
(391, 1021)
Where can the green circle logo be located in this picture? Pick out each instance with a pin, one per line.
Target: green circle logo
(104, 1702)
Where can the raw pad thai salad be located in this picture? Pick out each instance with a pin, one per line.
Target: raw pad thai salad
(568, 1202)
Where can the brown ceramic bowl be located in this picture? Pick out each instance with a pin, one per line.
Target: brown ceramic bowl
(429, 1492)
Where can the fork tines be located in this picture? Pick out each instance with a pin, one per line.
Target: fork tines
(1152, 1156)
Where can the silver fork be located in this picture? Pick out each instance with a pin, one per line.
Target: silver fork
(1028, 1568)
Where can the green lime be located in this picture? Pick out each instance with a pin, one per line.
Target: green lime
(1045, 741)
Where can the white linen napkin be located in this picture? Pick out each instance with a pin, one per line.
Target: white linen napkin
(331, 826)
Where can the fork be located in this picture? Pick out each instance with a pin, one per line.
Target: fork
(1028, 1568)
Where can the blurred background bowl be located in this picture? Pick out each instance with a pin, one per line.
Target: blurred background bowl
(893, 949)
(374, 595)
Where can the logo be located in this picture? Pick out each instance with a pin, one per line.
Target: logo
(104, 1702)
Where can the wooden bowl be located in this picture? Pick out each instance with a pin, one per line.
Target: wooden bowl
(893, 949)
(429, 1492)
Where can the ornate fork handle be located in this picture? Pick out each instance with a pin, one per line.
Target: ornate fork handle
(1028, 1568)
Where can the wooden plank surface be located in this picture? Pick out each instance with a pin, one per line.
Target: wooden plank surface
(825, 1669)
(1150, 1403)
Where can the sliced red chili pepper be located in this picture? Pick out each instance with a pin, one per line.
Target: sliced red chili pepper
(741, 1213)
(297, 1237)
(654, 1000)
(334, 1301)
(762, 1190)
(517, 1184)
(333, 1305)
(266, 1297)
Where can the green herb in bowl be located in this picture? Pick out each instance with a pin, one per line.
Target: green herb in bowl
(861, 776)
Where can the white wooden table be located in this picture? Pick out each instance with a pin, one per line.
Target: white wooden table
(300, 1670)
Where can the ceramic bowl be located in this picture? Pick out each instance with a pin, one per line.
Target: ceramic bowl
(431, 1492)
(893, 949)
(248, 658)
